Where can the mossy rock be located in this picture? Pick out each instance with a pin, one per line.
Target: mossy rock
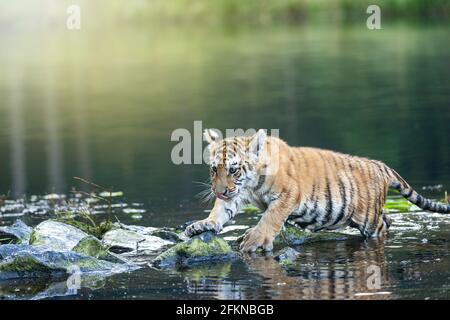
(293, 236)
(25, 264)
(91, 246)
(204, 248)
(25, 261)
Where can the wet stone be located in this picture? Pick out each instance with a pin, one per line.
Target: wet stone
(293, 236)
(19, 232)
(203, 248)
(123, 240)
(56, 235)
(170, 235)
(25, 261)
(91, 246)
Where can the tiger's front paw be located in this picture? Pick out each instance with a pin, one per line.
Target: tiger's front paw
(202, 226)
(254, 239)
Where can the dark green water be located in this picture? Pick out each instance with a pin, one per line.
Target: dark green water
(102, 104)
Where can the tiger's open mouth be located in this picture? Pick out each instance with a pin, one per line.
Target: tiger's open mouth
(226, 197)
(223, 197)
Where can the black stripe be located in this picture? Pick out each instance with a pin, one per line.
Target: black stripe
(305, 209)
(315, 199)
(419, 200)
(352, 186)
(329, 200)
(409, 192)
(229, 213)
(342, 191)
(327, 183)
(385, 169)
(369, 200)
(261, 180)
(381, 227)
(343, 194)
(426, 204)
(378, 202)
(244, 168)
(377, 212)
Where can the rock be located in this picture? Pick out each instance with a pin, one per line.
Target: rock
(91, 246)
(19, 232)
(293, 236)
(123, 240)
(25, 261)
(287, 256)
(56, 235)
(170, 235)
(137, 229)
(203, 248)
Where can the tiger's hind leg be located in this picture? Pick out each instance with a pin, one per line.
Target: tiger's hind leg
(369, 217)
(371, 229)
(382, 226)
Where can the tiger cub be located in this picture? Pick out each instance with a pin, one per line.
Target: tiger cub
(311, 188)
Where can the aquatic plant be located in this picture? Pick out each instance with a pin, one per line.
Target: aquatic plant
(83, 219)
(250, 209)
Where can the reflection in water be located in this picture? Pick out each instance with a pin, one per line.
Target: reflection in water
(17, 132)
(335, 270)
(211, 279)
(339, 270)
(47, 287)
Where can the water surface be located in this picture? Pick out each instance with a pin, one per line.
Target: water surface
(102, 105)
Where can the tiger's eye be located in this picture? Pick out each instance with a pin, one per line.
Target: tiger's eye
(214, 168)
(233, 170)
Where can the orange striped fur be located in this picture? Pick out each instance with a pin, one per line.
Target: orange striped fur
(312, 188)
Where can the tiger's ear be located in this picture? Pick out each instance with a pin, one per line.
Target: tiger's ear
(257, 142)
(211, 136)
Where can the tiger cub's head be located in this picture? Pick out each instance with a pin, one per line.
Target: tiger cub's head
(233, 162)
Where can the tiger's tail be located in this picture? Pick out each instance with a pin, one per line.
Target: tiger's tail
(398, 183)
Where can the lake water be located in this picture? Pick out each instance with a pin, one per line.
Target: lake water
(102, 104)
